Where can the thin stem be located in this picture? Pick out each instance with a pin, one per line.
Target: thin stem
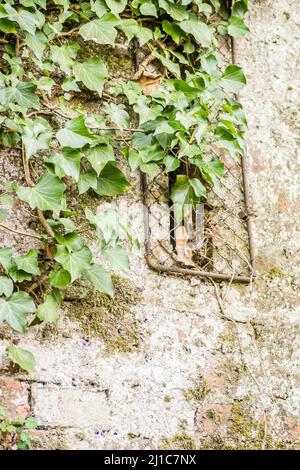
(30, 183)
(20, 232)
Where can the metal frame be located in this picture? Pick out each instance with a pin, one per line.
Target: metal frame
(187, 271)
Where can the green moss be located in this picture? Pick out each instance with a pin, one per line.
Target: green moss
(167, 398)
(111, 320)
(49, 439)
(117, 61)
(198, 391)
(243, 432)
(180, 441)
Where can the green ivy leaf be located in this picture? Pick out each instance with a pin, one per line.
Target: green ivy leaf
(28, 21)
(22, 357)
(59, 278)
(233, 79)
(98, 156)
(100, 278)
(36, 135)
(87, 181)
(37, 43)
(75, 262)
(111, 181)
(185, 193)
(6, 258)
(14, 310)
(116, 6)
(117, 257)
(177, 12)
(239, 8)
(22, 94)
(92, 74)
(64, 56)
(237, 27)
(29, 262)
(171, 163)
(75, 134)
(47, 194)
(118, 115)
(173, 30)
(148, 9)
(102, 31)
(99, 7)
(7, 26)
(68, 161)
(3, 215)
(173, 67)
(48, 311)
(211, 170)
(202, 33)
(6, 286)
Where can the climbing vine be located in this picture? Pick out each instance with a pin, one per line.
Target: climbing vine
(178, 106)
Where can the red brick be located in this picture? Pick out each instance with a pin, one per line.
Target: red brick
(14, 397)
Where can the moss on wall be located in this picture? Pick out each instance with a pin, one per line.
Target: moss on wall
(111, 320)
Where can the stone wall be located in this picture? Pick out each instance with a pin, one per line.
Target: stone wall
(167, 365)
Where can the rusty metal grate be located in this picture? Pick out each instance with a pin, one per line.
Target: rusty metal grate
(215, 241)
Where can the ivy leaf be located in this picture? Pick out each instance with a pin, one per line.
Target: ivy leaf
(22, 357)
(132, 28)
(99, 7)
(59, 278)
(86, 181)
(69, 161)
(173, 67)
(211, 170)
(227, 141)
(3, 215)
(111, 181)
(7, 26)
(98, 156)
(118, 115)
(75, 134)
(29, 262)
(15, 309)
(148, 9)
(27, 20)
(75, 262)
(185, 193)
(233, 79)
(239, 8)
(47, 194)
(102, 31)
(64, 56)
(117, 257)
(37, 43)
(48, 311)
(6, 286)
(173, 30)
(237, 27)
(177, 12)
(171, 163)
(6, 258)
(91, 73)
(100, 278)
(116, 6)
(36, 135)
(22, 94)
(201, 31)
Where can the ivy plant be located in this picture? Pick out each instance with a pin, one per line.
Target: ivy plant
(14, 433)
(171, 120)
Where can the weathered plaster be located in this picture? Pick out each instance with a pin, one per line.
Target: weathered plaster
(188, 384)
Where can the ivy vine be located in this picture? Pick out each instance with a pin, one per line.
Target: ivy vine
(178, 107)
